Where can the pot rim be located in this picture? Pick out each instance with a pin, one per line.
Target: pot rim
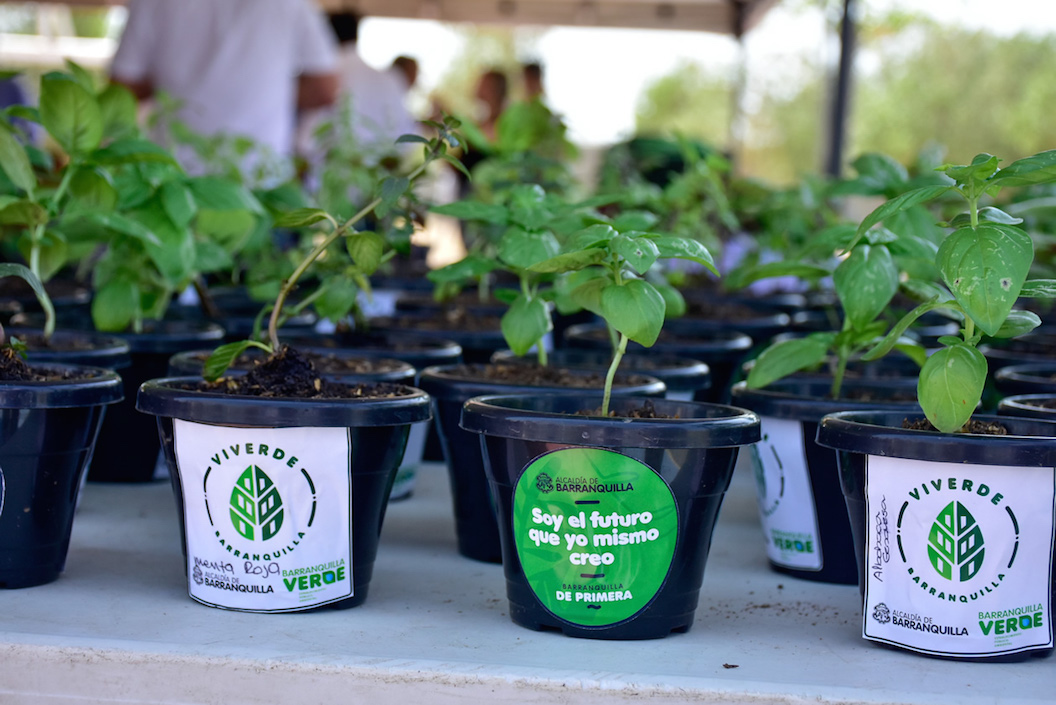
(1031, 443)
(677, 372)
(438, 381)
(163, 397)
(812, 403)
(533, 417)
(103, 387)
(402, 371)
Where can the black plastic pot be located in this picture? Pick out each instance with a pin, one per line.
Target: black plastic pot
(722, 351)
(338, 460)
(105, 351)
(1035, 406)
(757, 319)
(1035, 378)
(191, 362)
(475, 525)
(47, 434)
(642, 495)
(683, 377)
(953, 533)
(128, 445)
(477, 345)
(419, 351)
(801, 508)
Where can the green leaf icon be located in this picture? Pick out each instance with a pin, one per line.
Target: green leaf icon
(255, 502)
(956, 543)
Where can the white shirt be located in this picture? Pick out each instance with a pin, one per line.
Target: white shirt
(375, 102)
(233, 64)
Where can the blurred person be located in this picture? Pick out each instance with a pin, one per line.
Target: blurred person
(532, 74)
(235, 67)
(373, 99)
(408, 68)
(492, 94)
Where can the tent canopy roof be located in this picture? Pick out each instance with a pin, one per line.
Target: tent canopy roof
(723, 16)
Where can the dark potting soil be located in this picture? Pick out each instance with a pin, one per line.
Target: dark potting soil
(290, 374)
(323, 362)
(69, 343)
(536, 376)
(984, 428)
(722, 310)
(646, 411)
(882, 394)
(14, 369)
(18, 288)
(456, 318)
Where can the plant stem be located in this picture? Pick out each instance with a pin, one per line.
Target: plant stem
(611, 375)
(289, 285)
(842, 356)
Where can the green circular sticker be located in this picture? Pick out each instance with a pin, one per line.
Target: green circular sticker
(595, 531)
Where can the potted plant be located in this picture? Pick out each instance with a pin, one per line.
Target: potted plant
(49, 419)
(954, 526)
(606, 520)
(295, 526)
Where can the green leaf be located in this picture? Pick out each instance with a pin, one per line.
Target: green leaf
(588, 294)
(91, 190)
(392, 188)
(300, 218)
(1036, 169)
(635, 220)
(178, 203)
(15, 162)
(23, 112)
(117, 107)
(986, 215)
(527, 206)
(1038, 289)
(409, 138)
(453, 161)
(224, 356)
(1018, 323)
(595, 236)
(866, 281)
(210, 256)
(525, 323)
(214, 193)
(674, 302)
(70, 113)
(879, 173)
(916, 353)
(132, 151)
(897, 205)
(639, 252)
(635, 309)
(571, 261)
(124, 225)
(13, 269)
(53, 252)
(474, 210)
(685, 248)
(115, 304)
(895, 334)
(985, 269)
(82, 77)
(956, 543)
(982, 168)
(173, 253)
(367, 249)
(787, 357)
(256, 506)
(521, 248)
(337, 297)
(25, 213)
(951, 385)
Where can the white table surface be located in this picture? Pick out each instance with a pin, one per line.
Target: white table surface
(118, 627)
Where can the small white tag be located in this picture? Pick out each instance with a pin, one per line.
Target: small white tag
(267, 514)
(786, 501)
(959, 557)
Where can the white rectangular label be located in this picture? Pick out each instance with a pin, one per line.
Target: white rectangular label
(786, 501)
(268, 515)
(959, 557)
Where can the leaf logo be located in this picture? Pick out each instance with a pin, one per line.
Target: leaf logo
(956, 543)
(256, 504)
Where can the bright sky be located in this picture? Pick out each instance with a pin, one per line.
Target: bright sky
(594, 76)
